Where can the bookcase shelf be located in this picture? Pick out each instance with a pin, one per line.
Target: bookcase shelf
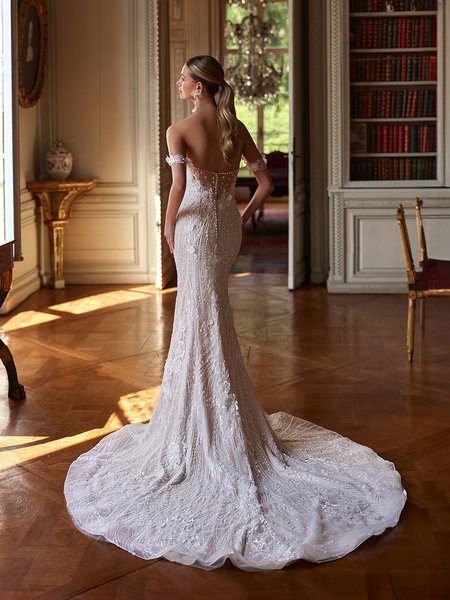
(391, 6)
(393, 154)
(402, 50)
(396, 120)
(390, 14)
(392, 79)
(402, 84)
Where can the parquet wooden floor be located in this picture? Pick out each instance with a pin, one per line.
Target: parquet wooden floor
(91, 359)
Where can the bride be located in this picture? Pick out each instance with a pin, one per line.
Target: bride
(212, 476)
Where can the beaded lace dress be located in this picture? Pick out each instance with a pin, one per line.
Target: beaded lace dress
(212, 476)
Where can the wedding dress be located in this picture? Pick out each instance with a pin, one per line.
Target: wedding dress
(212, 476)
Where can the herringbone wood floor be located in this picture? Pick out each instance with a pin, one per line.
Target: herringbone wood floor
(91, 359)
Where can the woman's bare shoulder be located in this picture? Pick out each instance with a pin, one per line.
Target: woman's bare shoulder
(176, 138)
(241, 127)
(242, 132)
(176, 128)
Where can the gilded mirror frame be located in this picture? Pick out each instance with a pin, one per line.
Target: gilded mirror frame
(32, 50)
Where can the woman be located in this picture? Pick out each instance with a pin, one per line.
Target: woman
(212, 476)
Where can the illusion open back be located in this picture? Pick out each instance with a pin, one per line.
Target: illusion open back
(212, 476)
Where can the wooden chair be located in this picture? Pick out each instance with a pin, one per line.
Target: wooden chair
(431, 279)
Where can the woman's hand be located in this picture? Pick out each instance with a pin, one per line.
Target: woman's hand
(169, 234)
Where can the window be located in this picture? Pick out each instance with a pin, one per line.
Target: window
(269, 124)
(7, 96)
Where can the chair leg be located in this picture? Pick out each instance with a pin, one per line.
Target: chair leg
(411, 326)
(16, 391)
(422, 314)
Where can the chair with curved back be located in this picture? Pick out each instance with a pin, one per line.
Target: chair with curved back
(431, 279)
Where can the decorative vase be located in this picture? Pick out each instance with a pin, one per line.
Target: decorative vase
(59, 161)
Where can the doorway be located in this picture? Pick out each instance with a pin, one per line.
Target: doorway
(277, 240)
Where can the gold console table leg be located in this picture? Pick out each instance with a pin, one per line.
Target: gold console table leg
(56, 231)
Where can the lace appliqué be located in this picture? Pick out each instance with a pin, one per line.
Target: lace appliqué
(177, 159)
(258, 165)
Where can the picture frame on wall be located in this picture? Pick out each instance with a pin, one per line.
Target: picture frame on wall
(32, 51)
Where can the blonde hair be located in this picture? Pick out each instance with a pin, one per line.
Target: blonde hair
(207, 70)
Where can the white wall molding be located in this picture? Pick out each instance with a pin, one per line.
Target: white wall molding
(26, 276)
(366, 253)
(319, 221)
(107, 201)
(335, 91)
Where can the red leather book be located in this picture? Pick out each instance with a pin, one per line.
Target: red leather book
(414, 94)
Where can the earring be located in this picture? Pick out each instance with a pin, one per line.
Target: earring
(196, 94)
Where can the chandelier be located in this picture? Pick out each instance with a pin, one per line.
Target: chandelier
(253, 74)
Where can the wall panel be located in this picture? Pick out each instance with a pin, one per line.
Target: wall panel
(367, 255)
(97, 105)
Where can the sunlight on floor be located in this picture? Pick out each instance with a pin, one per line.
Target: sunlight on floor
(20, 440)
(31, 318)
(27, 318)
(152, 290)
(136, 407)
(108, 299)
(99, 301)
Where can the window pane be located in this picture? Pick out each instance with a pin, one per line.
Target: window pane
(276, 113)
(276, 125)
(249, 116)
(235, 14)
(278, 11)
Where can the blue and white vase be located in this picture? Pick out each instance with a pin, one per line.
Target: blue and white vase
(59, 162)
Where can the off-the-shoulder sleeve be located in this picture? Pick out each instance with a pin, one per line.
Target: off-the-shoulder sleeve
(258, 165)
(176, 159)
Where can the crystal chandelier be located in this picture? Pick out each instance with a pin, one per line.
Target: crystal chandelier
(253, 74)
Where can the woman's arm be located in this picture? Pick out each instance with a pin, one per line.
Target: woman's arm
(262, 192)
(262, 174)
(176, 146)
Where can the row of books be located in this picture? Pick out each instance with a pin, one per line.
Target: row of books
(402, 67)
(402, 32)
(392, 169)
(393, 104)
(391, 5)
(392, 138)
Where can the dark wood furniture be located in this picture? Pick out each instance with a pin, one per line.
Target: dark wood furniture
(16, 391)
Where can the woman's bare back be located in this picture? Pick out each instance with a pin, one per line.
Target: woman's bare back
(199, 136)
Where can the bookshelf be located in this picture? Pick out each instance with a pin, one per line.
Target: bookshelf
(394, 93)
(388, 126)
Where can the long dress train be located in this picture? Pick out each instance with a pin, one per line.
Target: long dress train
(212, 476)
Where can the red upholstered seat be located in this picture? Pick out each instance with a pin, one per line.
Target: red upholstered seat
(278, 165)
(434, 274)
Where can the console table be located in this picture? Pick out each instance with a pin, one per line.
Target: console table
(56, 199)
